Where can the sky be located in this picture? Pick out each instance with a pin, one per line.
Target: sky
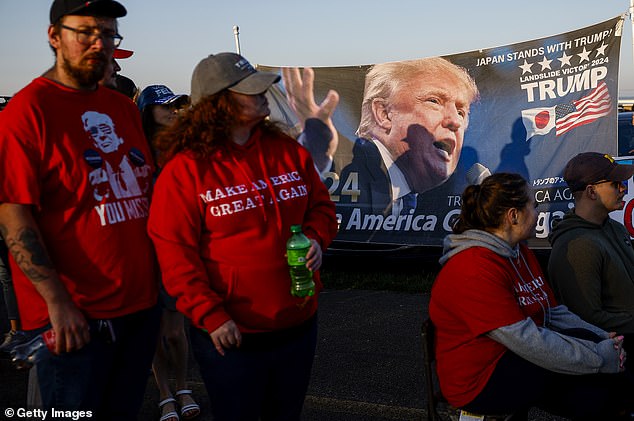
(170, 37)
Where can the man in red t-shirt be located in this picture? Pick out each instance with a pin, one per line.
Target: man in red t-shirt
(73, 210)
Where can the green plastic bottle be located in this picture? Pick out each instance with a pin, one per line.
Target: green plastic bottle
(302, 284)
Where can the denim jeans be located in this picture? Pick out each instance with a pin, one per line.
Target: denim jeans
(7, 285)
(107, 376)
(266, 378)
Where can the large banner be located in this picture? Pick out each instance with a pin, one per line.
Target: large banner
(414, 134)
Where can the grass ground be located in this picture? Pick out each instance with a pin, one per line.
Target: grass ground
(383, 281)
(410, 275)
(410, 270)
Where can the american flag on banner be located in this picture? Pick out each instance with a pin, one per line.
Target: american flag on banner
(565, 117)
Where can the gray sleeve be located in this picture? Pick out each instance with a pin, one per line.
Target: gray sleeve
(561, 318)
(556, 352)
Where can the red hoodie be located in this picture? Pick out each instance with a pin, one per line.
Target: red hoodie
(220, 227)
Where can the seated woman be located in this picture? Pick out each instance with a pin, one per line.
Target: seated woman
(503, 344)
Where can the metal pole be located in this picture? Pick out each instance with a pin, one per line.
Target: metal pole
(236, 35)
(632, 20)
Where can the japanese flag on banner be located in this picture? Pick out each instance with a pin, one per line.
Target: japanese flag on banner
(538, 121)
(565, 117)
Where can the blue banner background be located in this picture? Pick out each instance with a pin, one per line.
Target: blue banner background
(496, 136)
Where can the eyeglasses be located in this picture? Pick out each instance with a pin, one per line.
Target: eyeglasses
(88, 36)
(615, 184)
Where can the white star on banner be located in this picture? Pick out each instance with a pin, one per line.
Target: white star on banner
(526, 67)
(584, 55)
(601, 49)
(545, 63)
(564, 59)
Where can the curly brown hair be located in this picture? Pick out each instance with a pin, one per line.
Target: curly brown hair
(204, 128)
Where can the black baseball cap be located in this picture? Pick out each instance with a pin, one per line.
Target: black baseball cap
(107, 8)
(591, 167)
(229, 71)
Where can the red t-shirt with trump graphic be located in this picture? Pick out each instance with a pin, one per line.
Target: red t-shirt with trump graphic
(81, 160)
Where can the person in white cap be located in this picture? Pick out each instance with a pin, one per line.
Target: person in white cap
(231, 186)
(73, 208)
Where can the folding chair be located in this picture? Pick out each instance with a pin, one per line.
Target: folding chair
(429, 357)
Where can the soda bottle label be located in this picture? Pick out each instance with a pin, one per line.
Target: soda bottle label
(296, 257)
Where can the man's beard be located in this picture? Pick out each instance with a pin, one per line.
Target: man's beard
(85, 77)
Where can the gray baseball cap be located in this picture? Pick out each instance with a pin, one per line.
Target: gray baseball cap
(228, 71)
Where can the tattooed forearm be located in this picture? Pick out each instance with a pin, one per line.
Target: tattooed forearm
(29, 253)
(32, 242)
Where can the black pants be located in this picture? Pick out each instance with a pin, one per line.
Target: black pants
(265, 379)
(517, 385)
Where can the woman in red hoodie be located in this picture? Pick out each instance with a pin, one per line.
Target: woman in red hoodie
(231, 187)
